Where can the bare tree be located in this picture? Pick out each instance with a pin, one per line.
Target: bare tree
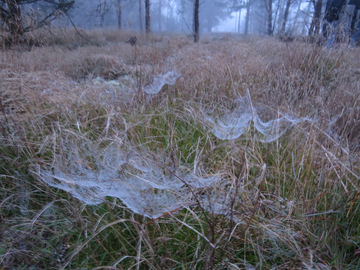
(140, 15)
(268, 5)
(238, 5)
(247, 17)
(238, 24)
(276, 12)
(147, 16)
(159, 15)
(182, 12)
(286, 15)
(196, 20)
(315, 22)
(102, 10)
(119, 14)
(12, 17)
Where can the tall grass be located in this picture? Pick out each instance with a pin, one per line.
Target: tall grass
(293, 203)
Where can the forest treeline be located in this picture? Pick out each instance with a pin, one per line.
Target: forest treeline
(285, 18)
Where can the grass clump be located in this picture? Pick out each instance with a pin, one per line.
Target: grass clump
(292, 203)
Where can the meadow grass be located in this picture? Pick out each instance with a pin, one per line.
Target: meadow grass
(294, 201)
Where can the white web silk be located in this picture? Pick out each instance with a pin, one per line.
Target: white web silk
(233, 124)
(144, 185)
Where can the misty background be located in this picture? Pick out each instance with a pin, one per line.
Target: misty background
(176, 15)
(285, 18)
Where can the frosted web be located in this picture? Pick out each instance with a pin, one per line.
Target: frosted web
(159, 82)
(149, 184)
(141, 184)
(232, 125)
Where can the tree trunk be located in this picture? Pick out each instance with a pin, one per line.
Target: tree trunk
(119, 13)
(147, 16)
(247, 18)
(12, 17)
(14, 21)
(160, 6)
(286, 15)
(269, 20)
(182, 6)
(140, 16)
(297, 15)
(196, 20)
(276, 13)
(168, 14)
(239, 22)
(315, 22)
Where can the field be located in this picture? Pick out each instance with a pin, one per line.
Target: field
(78, 114)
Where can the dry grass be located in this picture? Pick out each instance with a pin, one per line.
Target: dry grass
(300, 211)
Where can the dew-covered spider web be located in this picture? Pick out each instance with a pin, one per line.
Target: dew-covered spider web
(159, 81)
(142, 184)
(231, 125)
(150, 184)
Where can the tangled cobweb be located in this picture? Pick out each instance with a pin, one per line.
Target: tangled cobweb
(145, 182)
(140, 183)
(233, 124)
(159, 81)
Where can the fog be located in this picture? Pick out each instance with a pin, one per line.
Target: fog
(177, 15)
(286, 18)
